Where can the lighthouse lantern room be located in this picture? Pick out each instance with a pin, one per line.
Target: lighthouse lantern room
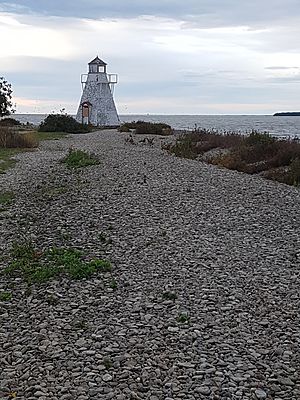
(97, 106)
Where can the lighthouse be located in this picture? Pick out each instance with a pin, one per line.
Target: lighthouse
(97, 106)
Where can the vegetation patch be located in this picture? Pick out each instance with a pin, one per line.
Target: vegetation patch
(151, 128)
(50, 135)
(38, 267)
(51, 192)
(11, 138)
(6, 198)
(10, 122)
(169, 296)
(113, 284)
(5, 296)
(80, 158)
(183, 318)
(6, 160)
(107, 362)
(62, 123)
(257, 153)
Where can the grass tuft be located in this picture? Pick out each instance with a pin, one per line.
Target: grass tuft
(183, 318)
(6, 199)
(38, 267)
(79, 158)
(169, 296)
(5, 296)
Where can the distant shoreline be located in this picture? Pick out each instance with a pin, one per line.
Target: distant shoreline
(287, 114)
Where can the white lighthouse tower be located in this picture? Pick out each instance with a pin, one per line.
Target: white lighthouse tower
(97, 106)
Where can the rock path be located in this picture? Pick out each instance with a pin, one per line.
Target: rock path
(203, 300)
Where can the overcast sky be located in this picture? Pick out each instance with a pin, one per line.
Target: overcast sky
(172, 57)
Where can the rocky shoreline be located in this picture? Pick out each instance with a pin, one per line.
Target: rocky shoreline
(205, 300)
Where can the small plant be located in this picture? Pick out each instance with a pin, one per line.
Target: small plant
(80, 158)
(6, 198)
(169, 296)
(124, 128)
(102, 237)
(81, 325)
(5, 296)
(129, 139)
(113, 284)
(24, 250)
(52, 300)
(107, 362)
(183, 318)
(100, 265)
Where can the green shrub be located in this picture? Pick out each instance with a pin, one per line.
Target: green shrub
(9, 122)
(62, 123)
(256, 138)
(80, 158)
(124, 128)
(191, 144)
(151, 128)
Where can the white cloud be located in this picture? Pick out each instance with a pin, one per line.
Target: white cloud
(27, 39)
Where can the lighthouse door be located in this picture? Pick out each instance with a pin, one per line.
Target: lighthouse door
(86, 108)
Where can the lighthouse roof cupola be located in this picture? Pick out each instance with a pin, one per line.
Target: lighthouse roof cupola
(96, 66)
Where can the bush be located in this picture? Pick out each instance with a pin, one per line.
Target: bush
(11, 138)
(151, 128)
(124, 128)
(9, 122)
(257, 138)
(295, 171)
(253, 154)
(191, 144)
(62, 123)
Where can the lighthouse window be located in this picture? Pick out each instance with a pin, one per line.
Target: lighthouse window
(101, 68)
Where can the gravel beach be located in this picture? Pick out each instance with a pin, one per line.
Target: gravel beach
(203, 300)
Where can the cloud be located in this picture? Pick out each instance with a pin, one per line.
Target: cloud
(27, 39)
(204, 13)
(186, 56)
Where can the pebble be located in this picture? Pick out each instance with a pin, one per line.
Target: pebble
(260, 394)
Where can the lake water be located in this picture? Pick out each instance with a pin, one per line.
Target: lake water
(279, 126)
